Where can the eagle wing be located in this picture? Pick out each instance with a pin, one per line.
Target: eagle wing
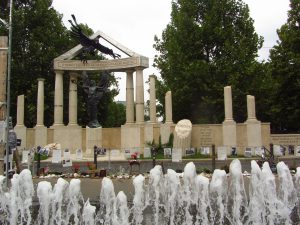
(76, 33)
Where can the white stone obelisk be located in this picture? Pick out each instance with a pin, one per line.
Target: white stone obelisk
(229, 125)
(129, 98)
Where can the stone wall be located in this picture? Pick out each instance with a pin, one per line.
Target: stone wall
(285, 139)
(202, 135)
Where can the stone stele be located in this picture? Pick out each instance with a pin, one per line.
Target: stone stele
(182, 134)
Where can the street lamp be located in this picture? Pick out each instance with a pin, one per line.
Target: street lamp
(9, 26)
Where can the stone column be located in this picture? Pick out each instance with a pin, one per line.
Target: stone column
(3, 73)
(139, 96)
(254, 133)
(228, 103)
(251, 107)
(129, 98)
(229, 125)
(73, 99)
(58, 98)
(168, 107)
(40, 103)
(20, 129)
(152, 99)
(20, 111)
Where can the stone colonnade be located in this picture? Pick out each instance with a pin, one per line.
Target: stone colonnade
(58, 98)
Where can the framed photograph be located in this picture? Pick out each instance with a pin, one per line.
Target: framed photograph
(167, 152)
(147, 152)
(222, 153)
(176, 155)
(248, 152)
(79, 154)
(56, 156)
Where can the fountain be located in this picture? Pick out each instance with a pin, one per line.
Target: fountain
(169, 198)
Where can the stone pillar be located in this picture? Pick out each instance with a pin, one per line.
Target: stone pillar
(3, 73)
(20, 129)
(40, 103)
(129, 98)
(251, 107)
(228, 103)
(229, 125)
(58, 98)
(73, 99)
(168, 107)
(139, 96)
(20, 111)
(152, 99)
(40, 129)
(254, 134)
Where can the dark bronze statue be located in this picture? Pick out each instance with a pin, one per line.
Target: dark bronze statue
(90, 46)
(94, 94)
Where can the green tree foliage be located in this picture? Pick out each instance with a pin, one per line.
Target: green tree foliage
(206, 46)
(38, 37)
(285, 70)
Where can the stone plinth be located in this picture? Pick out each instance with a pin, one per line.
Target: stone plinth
(132, 136)
(93, 137)
(254, 135)
(229, 133)
(229, 125)
(68, 137)
(183, 135)
(165, 131)
(21, 132)
(40, 136)
(149, 133)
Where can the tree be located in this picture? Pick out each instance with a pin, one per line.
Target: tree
(38, 37)
(285, 70)
(206, 46)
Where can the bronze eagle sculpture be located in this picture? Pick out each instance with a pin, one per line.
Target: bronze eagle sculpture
(90, 46)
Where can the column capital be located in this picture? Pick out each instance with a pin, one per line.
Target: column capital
(41, 79)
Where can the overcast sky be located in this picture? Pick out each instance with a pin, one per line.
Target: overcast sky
(133, 23)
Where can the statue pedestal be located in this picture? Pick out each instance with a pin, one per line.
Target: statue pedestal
(254, 137)
(132, 136)
(229, 134)
(69, 137)
(93, 137)
(165, 131)
(40, 136)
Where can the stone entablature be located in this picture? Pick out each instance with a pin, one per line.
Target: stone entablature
(116, 65)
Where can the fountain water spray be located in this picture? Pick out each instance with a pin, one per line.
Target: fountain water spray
(163, 199)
